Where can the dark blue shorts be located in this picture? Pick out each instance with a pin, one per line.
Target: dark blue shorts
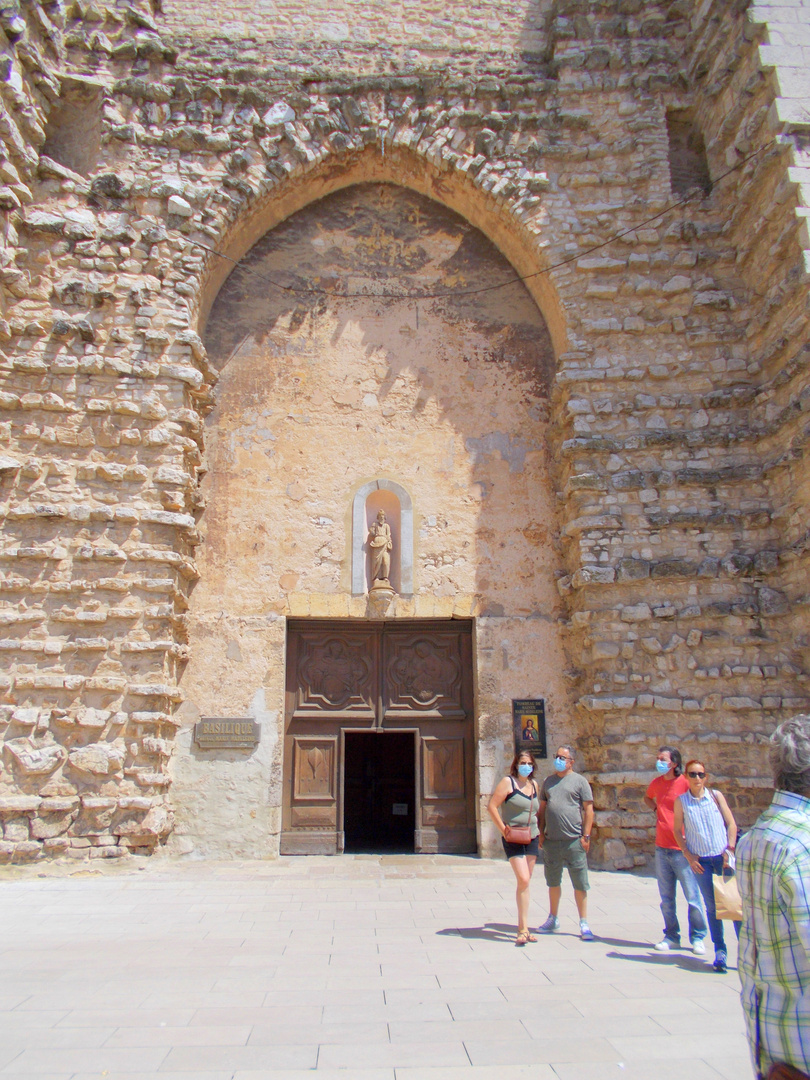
(517, 851)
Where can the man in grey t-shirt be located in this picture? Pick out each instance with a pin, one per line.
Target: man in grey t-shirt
(566, 819)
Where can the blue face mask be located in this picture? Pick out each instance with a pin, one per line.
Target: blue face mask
(560, 764)
(662, 766)
(525, 769)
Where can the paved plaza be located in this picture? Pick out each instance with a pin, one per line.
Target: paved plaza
(367, 967)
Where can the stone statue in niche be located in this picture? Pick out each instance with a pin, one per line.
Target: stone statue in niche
(380, 545)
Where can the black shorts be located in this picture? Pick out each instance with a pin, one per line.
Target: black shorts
(517, 851)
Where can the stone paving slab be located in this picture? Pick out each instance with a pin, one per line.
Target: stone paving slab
(371, 968)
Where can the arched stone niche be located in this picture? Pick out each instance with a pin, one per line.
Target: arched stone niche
(391, 497)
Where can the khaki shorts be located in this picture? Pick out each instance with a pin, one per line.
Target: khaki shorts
(568, 853)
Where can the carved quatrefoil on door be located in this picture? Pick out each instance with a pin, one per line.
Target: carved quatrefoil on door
(423, 674)
(335, 674)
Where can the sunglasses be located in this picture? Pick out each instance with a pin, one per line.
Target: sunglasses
(696, 775)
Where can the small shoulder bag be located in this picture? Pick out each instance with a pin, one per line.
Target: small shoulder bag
(521, 834)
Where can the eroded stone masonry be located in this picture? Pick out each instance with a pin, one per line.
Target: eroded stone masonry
(256, 258)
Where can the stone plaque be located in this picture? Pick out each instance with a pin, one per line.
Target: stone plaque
(529, 722)
(227, 733)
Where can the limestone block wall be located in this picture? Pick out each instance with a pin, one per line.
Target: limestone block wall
(742, 447)
(33, 48)
(674, 429)
(769, 239)
(782, 35)
(367, 35)
(91, 638)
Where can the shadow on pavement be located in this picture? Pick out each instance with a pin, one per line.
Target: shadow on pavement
(687, 962)
(621, 943)
(507, 932)
(487, 932)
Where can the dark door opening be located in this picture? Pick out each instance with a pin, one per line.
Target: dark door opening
(379, 785)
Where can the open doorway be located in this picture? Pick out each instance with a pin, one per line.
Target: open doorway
(379, 747)
(379, 785)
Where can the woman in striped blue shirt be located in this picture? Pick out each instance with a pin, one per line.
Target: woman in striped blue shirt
(705, 831)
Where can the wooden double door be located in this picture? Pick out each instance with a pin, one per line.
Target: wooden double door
(379, 751)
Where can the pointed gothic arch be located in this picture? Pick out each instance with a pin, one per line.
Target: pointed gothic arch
(498, 219)
(284, 471)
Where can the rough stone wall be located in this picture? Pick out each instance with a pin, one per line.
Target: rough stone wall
(688, 622)
(676, 424)
(780, 312)
(91, 637)
(368, 35)
(758, 654)
(32, 51)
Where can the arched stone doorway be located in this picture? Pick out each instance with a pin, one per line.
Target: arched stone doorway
(363, 337)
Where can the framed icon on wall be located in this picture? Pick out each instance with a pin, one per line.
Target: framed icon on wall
(529, 724)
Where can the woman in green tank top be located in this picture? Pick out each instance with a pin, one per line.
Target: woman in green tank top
(515, 801)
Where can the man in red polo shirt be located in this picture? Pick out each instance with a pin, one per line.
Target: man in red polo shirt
(670, 862)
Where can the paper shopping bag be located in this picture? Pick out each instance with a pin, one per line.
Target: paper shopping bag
(727, 902)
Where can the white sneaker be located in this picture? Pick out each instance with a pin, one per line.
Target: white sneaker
(698, 948)
(665, 945)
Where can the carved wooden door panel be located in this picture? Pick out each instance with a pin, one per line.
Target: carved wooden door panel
(348, 677)
(332, 683)
(427, 684)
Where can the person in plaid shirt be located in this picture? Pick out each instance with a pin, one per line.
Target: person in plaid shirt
(773, 872)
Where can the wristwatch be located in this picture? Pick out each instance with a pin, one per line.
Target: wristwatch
(586, 836)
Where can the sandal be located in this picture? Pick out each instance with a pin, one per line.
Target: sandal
(523, 937)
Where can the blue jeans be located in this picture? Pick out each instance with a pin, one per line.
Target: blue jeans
(712, 864)
(671, 867)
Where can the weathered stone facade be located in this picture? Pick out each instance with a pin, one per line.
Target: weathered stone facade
(146, 153)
